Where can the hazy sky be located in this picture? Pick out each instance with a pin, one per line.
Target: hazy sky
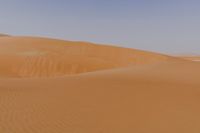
(168, 26)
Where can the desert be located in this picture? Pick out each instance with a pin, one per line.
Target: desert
(57, 86)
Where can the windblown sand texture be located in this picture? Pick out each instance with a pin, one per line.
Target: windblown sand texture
(54, 86)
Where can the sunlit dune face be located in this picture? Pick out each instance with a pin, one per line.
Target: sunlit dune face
(38, 57)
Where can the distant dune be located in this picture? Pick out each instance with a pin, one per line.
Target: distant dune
(4, 35)
(53, 86)
(192, 58)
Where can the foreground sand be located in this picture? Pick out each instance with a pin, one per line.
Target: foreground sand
(119, 90)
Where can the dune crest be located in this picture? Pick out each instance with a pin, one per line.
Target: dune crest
(42, 57)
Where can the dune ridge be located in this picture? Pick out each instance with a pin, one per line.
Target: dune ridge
(42, 57)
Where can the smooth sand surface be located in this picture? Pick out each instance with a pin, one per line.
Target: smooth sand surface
(51, 86)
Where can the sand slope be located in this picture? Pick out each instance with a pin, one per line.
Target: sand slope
(153, 97)
(40, 57)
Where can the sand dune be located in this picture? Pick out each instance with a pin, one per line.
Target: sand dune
(39, 57)
(119, 90)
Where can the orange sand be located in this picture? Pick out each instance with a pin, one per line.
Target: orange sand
(52, 86)
(39, 57)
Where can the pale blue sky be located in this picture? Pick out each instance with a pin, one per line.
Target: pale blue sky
(168, 26)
